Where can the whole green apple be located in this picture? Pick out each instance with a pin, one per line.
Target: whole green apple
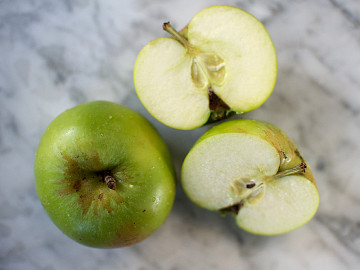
(252, 170)
(104, 175)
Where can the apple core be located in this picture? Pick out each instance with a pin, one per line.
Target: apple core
(252, 190)
(207, 69)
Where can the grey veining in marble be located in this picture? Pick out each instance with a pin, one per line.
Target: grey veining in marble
(57, 54)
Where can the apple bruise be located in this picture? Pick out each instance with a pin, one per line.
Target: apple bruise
(80, 181)
(207, 69)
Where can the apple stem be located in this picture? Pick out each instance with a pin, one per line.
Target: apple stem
(171, 30)
(109, 180)
(297, 169)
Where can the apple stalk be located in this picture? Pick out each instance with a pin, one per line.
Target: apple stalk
(175, 34)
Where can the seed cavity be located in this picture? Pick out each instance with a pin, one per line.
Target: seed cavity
(198, 76)
(208, 69)
(256, 196)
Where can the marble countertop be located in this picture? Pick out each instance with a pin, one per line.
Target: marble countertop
(57, 54)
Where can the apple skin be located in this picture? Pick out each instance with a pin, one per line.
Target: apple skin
(78, 148)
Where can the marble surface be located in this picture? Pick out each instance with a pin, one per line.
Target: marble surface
(57, 54)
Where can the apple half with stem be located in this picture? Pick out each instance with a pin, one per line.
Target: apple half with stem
(104, 175)
(223, 62)
(252, 170)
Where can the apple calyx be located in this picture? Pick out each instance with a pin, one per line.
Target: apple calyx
(109, 180)
(219, 109)
(252, 190)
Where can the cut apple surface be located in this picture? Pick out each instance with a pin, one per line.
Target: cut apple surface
(251, 169)
(224, 61)
(288, 203)
(211, 170)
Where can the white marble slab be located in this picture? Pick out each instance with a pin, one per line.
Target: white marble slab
(57, 54)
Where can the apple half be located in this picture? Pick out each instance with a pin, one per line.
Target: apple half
(222, 62)
(253, 170)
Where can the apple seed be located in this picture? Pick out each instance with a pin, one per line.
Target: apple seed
(251, 185)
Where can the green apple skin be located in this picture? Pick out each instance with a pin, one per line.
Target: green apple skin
(288, 154)
(82, 145)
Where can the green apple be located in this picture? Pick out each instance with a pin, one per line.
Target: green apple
(222, 62)
(253, 170)
(104, 175)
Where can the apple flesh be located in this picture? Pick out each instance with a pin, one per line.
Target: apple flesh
(223, 62)
(104, 175)
(253, 170)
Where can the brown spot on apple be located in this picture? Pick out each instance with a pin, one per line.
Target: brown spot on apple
(241, 130)
(77, 185)
(130, 235)
(90, 186)
(303, 166)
